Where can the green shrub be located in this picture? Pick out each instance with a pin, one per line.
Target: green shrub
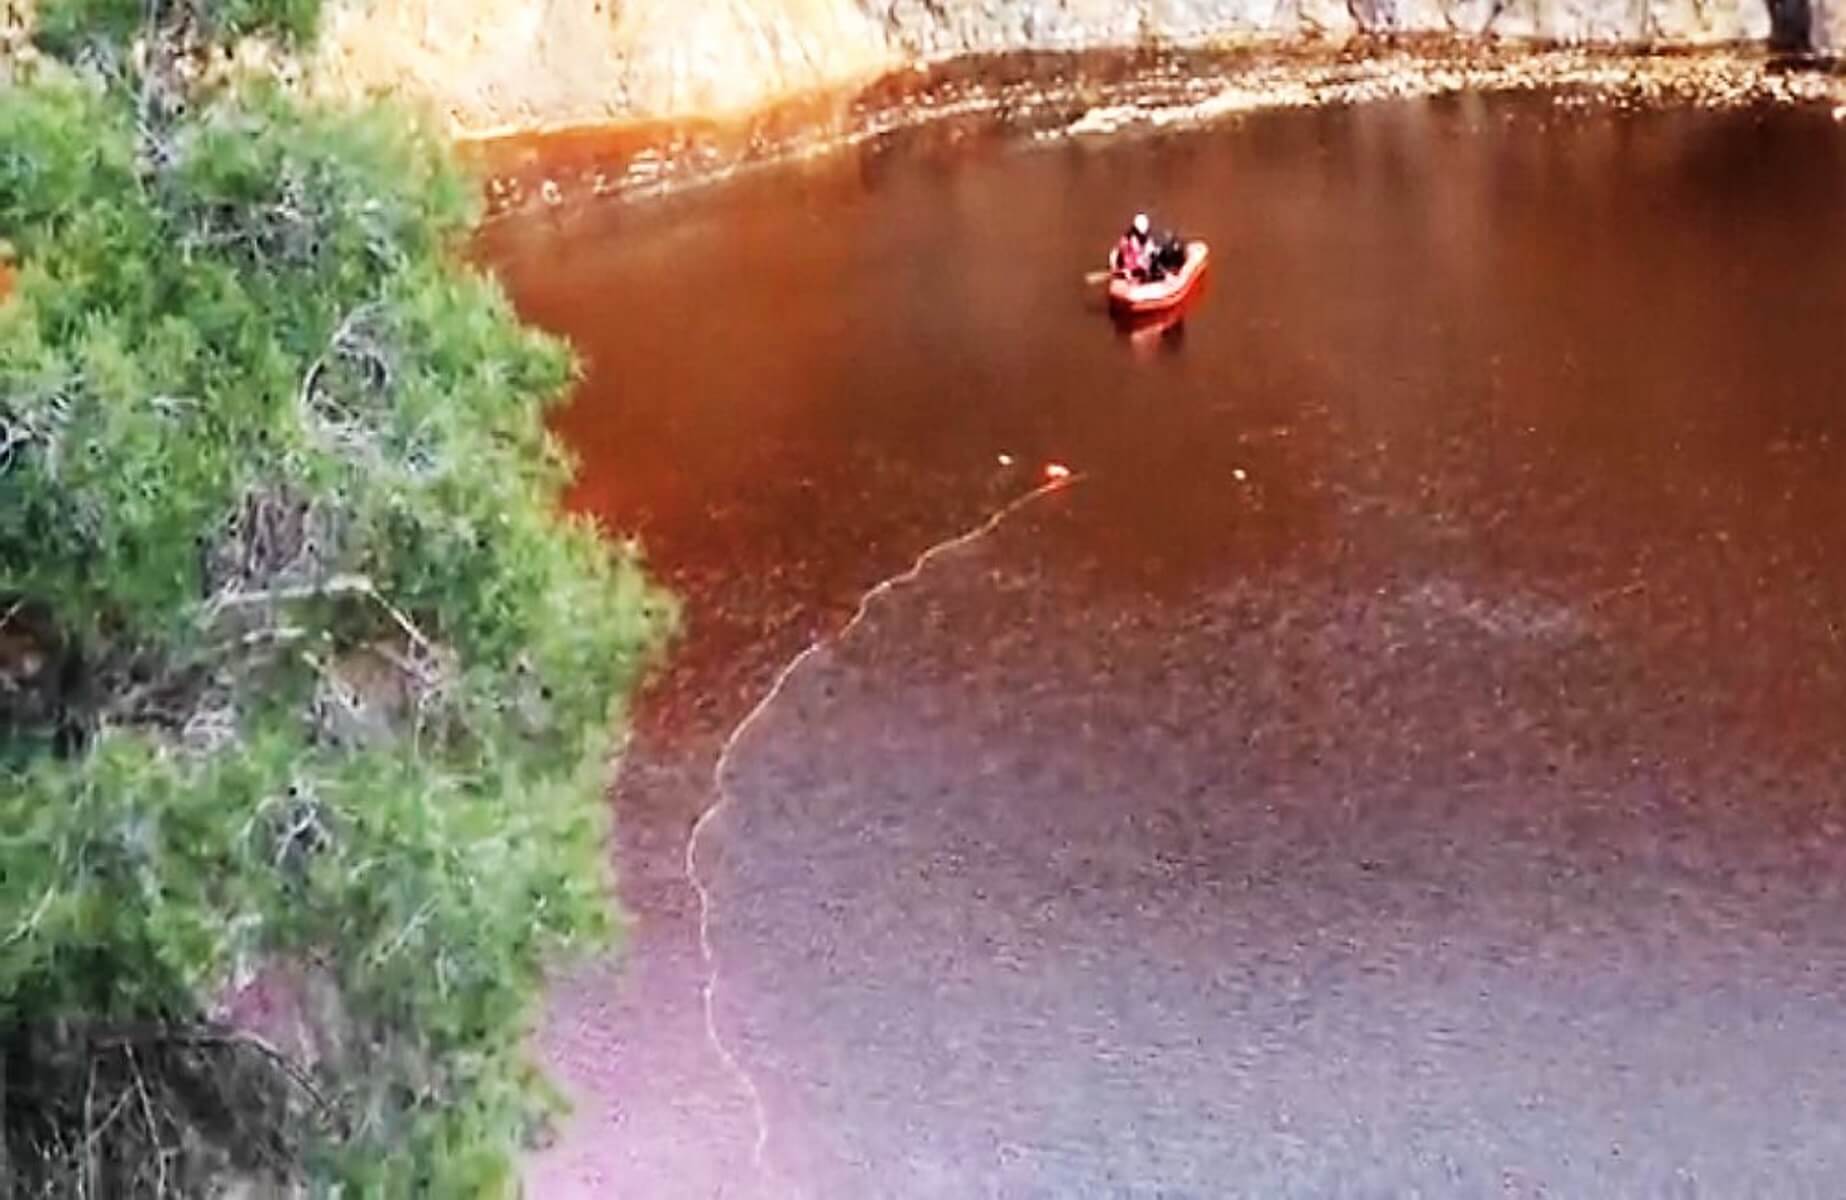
(304, 679)
(69, 26)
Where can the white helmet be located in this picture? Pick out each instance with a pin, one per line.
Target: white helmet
(1140, 224)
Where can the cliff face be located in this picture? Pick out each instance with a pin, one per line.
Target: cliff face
(497, 65)
(493, 65)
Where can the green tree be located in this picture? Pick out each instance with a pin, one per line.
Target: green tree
(307, 688)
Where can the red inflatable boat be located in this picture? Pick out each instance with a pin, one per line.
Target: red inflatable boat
(1131, 296)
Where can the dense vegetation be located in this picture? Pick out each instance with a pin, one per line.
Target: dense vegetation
(306, 689)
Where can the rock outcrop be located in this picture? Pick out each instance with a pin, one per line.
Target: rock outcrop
(495, 65)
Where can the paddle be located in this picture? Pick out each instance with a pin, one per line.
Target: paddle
(1095, 277)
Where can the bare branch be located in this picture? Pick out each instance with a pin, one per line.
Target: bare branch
(230, 1039)
(277, 634)
(147, 1110)
(335, 689)
(385, 953)
(306, 821)
(102, 1128)
(404, 623)
(337, 344)
(339, 585)
(89, 1184)
(427, 676)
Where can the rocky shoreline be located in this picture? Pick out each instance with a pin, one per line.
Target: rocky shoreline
(506, 66)
(1049, 96)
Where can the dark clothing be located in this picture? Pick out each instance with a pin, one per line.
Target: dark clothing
(1169, 254)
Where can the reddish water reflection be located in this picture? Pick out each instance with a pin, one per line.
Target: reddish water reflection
(1483, 525)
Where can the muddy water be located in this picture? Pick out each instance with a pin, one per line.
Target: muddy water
(1410, 760)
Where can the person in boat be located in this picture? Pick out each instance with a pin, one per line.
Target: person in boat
(1142, 256)
(1133, 255)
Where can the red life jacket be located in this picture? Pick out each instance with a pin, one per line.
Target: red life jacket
(1132, 254)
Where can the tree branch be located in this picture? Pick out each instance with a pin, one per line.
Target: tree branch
(147, 1111)
(335, 344)
(339, 585)
(89, 1184)
(128, 1040)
